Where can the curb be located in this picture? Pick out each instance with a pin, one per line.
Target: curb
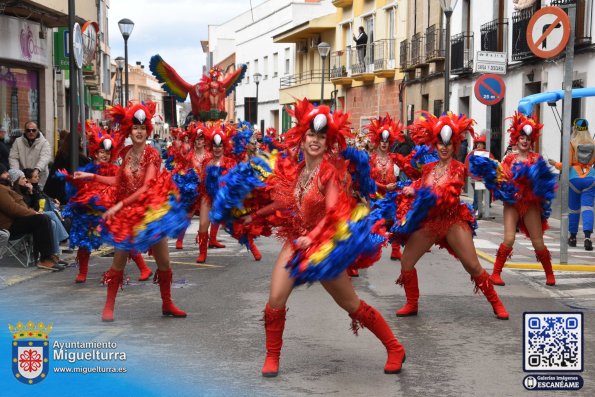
(538, 266)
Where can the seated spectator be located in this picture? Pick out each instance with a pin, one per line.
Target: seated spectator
(20, 220)
(22, 186)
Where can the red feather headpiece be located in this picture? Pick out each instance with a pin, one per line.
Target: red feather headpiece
(196, 130)
(320, 119)
(385, 129)
(97, 139)
(135, 113)
(219, 135)
(429, 129)
(271, 132)
(524, 125)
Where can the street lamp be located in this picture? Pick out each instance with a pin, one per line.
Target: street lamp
(120, 63)
(447, 6)
(323, 49)
(126, 26)
(256, 78)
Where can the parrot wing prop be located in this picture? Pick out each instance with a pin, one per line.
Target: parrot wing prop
(170, 79)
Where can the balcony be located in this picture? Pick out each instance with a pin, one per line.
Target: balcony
(340, 75)
(342, 3)
(584, 11)
(434, 44)
(520, 21)
(417, 50)
(404, 55)
(362, 62)
(384, 58)
(461, 57)
(494, 35)
(304, 85)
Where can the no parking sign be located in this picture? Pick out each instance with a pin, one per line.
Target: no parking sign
(489, 89)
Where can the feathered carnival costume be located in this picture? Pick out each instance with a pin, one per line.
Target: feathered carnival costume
(348, 234)
(152, 209)
(384, 129)
(521, 183)
(436, 205)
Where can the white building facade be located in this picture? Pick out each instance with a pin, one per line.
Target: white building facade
(249, 35)
(478, 25)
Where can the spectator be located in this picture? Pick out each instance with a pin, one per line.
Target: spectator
(361, 42)
(23, 186)
(19, 220)
(479, 149)
(464, 149)
(54, 187)
(31, 150)
(4, 147)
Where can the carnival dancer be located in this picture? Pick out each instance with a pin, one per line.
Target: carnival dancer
(217, 140)
(383, 132)
(315, 204)
(436, 215)
(581, 193)
(103, 149)
(148, 207)
(197, 157)
(526, 186)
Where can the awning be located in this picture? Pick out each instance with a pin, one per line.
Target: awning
(305, 30)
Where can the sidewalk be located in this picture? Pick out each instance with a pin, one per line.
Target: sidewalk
(490, 235)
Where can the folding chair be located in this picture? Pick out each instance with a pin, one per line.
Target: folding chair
(20, 248)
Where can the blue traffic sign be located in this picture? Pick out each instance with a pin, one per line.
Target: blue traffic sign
(490, 89)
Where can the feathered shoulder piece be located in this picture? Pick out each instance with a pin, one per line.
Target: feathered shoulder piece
(134, 113)
(429, 129)
(385, 129)
(523, 125)
(321, 120)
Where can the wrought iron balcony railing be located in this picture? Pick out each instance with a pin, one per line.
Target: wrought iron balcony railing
(520, 21)
(361, 59)
(434, 43)
(404, 55)
(461, 48)
(310, 76)
(417, 49)
(494, 35)
(384, 54)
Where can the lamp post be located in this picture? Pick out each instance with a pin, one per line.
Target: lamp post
(323, 49)
(126, 26)
(256, 78)
(447, 6)
(120, 63)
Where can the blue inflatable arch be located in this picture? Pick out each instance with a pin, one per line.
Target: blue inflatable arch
(526, 104)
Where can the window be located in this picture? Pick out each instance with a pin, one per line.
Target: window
(265, 68)
(275, 64)
(247, 72)
(287, 61)
(256, 66)
(20, 99)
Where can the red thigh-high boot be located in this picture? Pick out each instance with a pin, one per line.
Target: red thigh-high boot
(203, 242)
(395, 253)
(145, 271)
(504, 252)
(545, 258)
(274, 324)
(164, 279)
(484, 283)
(180, 240)
(114, 279)
(408, 279)
(82, 257)
(254, 249)
(367, 317)
(213, 243)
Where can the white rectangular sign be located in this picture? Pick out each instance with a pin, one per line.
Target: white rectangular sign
(491, 57)
(488, 67)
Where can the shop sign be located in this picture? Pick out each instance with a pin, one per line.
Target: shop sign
(20, 41)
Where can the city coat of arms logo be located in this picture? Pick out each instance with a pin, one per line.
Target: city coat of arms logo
(30, 351)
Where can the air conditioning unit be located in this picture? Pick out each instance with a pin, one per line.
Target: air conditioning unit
(314, 41)
(302, 47)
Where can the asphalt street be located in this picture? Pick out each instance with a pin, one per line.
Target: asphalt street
(455, 346)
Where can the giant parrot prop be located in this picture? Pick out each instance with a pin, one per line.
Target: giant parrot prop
(209, 93)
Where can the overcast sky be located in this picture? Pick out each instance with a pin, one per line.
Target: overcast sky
(170, 28)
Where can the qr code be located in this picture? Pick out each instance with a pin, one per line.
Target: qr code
(553, 342)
